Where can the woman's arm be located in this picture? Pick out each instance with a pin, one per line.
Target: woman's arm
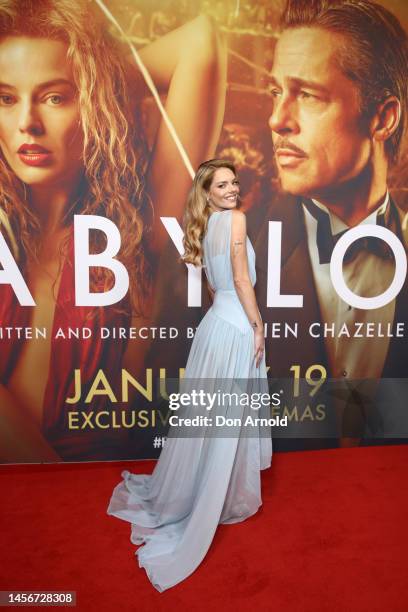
(190, 64)
(20, 438)
(210, 291)
(242, 280)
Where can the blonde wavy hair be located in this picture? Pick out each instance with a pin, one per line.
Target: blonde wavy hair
(114, 151)
(198, 210)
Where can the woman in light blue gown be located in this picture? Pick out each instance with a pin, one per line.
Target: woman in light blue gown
(210, 474)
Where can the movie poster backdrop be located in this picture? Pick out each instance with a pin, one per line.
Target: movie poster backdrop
(83, 380)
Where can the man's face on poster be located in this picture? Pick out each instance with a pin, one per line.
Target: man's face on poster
(319, 137)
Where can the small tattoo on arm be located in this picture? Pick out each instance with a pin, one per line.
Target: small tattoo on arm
(236, 245)
(254, 324)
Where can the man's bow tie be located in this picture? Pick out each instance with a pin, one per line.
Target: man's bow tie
(326, 241)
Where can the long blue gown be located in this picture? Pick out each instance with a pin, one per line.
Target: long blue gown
(201, 481)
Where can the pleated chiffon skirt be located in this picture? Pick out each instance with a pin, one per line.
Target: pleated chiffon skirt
(212, 477)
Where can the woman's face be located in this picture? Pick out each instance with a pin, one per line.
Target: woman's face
(224, 189)
(40, 133)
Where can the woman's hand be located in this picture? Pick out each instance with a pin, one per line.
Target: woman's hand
(259, 340)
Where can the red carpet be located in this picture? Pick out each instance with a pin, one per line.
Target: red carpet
(332, 535)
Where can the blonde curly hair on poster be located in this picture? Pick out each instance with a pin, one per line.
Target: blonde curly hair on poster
(114, 151)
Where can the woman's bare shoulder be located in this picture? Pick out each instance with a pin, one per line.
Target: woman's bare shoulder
(238, 219)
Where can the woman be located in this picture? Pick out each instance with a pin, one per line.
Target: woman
(202, 479)
(71, 143)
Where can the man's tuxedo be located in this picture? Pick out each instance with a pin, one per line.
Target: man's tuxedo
(297, 278)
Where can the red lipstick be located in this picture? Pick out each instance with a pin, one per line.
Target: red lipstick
(34, 155)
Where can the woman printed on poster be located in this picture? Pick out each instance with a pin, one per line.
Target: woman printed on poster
(71, 143)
